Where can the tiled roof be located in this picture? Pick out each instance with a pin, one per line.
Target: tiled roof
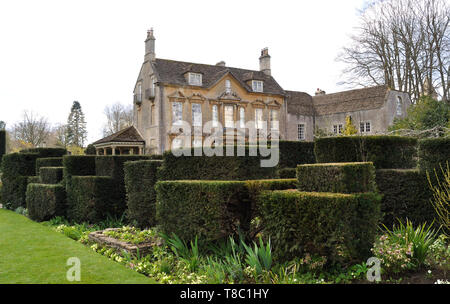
(299, 103)
(350, 101)
(173, 72)
(129, 134)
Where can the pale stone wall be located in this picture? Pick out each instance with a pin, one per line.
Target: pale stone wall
(292, 126)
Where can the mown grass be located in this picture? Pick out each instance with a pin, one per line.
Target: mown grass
(33, 253)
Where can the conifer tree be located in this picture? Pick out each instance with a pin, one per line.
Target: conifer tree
(76, 126)
(349, 128)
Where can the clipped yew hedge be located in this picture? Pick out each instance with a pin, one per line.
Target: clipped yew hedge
(406, 195)
(16, 169)
(2, 146)
(46, 152)
(433, 154)
(48, 162)
(140, 180)
(337, 177)
(287, 173)
(386, 152)
(210, 210)
(45, 201)
(92, 198)
(214, 167)
(293, 153)
(51, 175)
(341, 227)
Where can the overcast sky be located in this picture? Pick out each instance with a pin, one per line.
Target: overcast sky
(55, 52)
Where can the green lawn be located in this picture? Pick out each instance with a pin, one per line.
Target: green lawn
(33, 253)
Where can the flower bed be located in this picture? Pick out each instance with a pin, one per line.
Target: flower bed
(132, 240)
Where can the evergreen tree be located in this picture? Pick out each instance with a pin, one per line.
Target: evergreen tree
(76, 126)
(349, 128)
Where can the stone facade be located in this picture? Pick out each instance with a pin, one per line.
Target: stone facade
(165, 87)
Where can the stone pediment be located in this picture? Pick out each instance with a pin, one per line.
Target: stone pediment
(258, 104)
(177, 96)
(197, 97)
(229, 96)
(274, 104)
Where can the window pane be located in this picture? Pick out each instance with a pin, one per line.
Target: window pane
(274, 119)
(229, 117)
(242, 117)
(301, 131)
(259, 118)
(196, 115)
(177, 113)
(367, 126)
(361, 127)
(215, 116)
(340, 129)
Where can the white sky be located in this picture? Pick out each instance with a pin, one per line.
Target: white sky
(55, 52)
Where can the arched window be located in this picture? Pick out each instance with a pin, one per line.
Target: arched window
(399, 105)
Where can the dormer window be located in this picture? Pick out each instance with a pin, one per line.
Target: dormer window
(195, 79)
(257, 86)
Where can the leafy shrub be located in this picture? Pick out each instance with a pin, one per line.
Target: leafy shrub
(90, 150)
(140, 180)
(51, 175)
(45, 201)
(386, 152)
(406, 194)
(341, 227)
(395, 253)
(92, 198)
(337, 177)
(208, 209)
(404, 247)
(439, 254)
(48, 162)
(441, 197)
(213, 167)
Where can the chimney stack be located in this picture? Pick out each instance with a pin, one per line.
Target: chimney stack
(221, 63)
(264, 61)
(150, 46)
(320, 92)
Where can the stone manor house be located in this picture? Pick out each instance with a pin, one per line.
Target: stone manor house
(168, 92)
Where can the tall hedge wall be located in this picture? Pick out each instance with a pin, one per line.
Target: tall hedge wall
(92, 198)
(213, 167)
(48, 162)
(78, 165)
(406, 194)
(433, 153)
(2, 145)
(16, 168)
(140, 180)
(211, 209)
(386, 152)
(46, 152)
(293, 153)
(45, 201)
(51, 175)
(341, 227)
(337, 177)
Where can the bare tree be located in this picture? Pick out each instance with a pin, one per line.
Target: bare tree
(118, 117)
(33, 130)
(404, 44)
